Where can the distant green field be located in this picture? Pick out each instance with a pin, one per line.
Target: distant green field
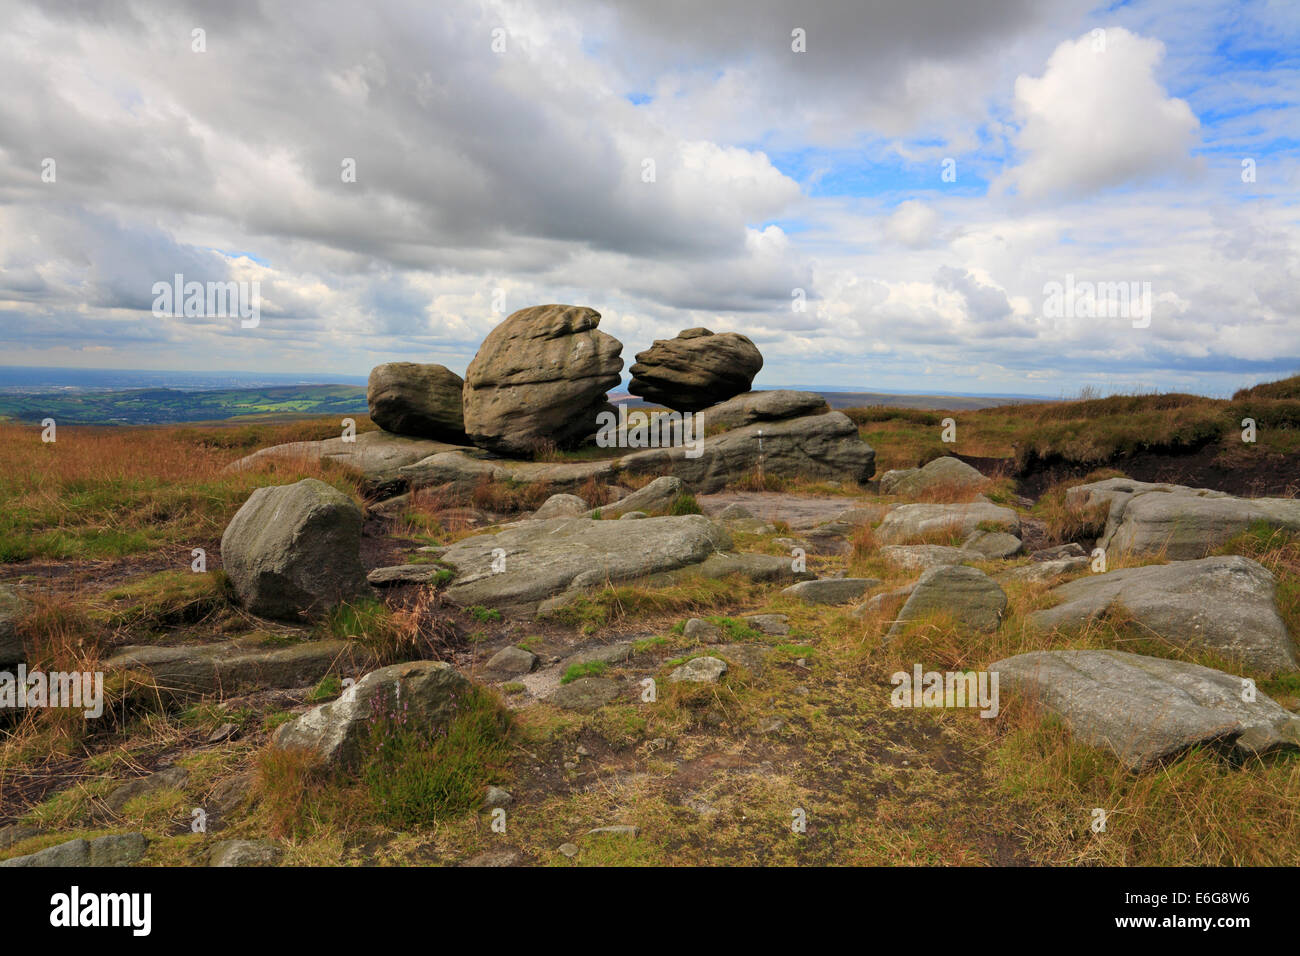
(164, 406)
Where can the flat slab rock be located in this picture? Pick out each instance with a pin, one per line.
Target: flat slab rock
(544, 559)
(909, 522)
(1182, 523)
(831, 590)
(229, 667)
(967, 595)
(1223, 603)
(922, 557)
(1146, 709)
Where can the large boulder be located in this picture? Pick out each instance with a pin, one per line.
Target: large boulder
(967, 595)
(1146, 709)
(949, 474)
(294, 550)
(422, 401)
(695, 370)
(910, 522)
(1180, 522)
(1225, 603)
(545, 559)
(540, 376)
(426, 693)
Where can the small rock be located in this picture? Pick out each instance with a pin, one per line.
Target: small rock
(497, 797)
(403, 574)
(776, 625)
(222, 733)
(508, 663)
(699, 670)
(704, 632)
(171, 778)
(1071, 550)
(585, 693)
(569, 849)
(735, 512)
(831, 590)
(504, 856)
(244, 853)
(994, 544)
(558, 506)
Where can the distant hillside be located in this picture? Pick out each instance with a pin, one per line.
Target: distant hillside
(165, 406)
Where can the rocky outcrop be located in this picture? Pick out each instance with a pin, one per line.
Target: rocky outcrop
(1180, 522)
(1226, 604)
(695, 370)
(294, 550)
(423, 401)
(540, 377)
(428, 694)
(1145, 709)
(947, 473)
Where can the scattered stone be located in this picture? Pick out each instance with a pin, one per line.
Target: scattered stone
(704, 632)
(967, 595)
(497, 797)
(615, 653)
(173, 778)
(403, 574)
(944, 472)
(546, 559)
(569, 849)
(831, 590)
(1225, 603)
(908, 522)
(1071, 550)
(1146, 709)
(736, 512)
(540, 377)
(508, 663)
(223, 733)
(1039, 572)
(752, 657)
(184, 671)
(115, 849)
(699, 670)
(922, 557)
(294, 549)
(561, 506)
(423, 401)
(429, 693)
(994, 544)
(244, 853)
(777, 625)
(695, 370)
(585, 693)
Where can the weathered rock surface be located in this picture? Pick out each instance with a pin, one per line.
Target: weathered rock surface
(561, 506)
(908, 522)
(1146, 709)
(294, 549)
(695, 370)
(994, 544)
(508, 663)
(403, 574)
(230, 667)
(544, 559)
(423, 401)
(1183, 523)
(831, 590)
(967, 595)
(244, 853)
(1227, 604)
(377, 454)
(699, 670)
(585, 693)
(657, 496)
(429, 693)
(947, 472)
(922, 557)
(754, 408)
(540, 376)
(115, 849)
(1039, 572)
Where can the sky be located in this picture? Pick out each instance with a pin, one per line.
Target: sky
(880, 195)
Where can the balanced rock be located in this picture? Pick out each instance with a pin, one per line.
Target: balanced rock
(695, 370)
(539, 377)
(294, 550)
(423, 401)
(1146, 709)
